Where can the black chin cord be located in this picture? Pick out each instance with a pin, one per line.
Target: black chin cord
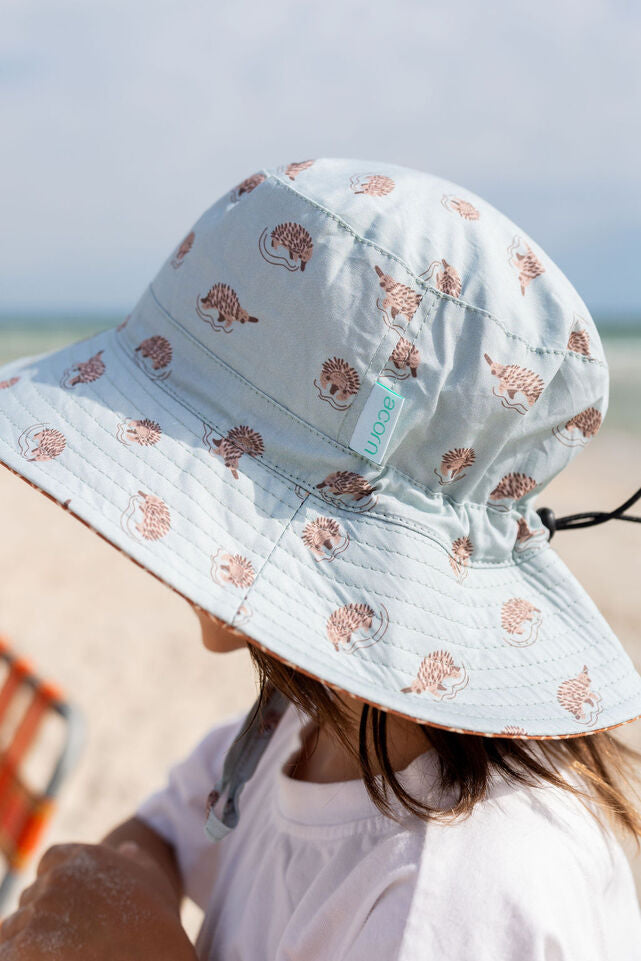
(571, 521)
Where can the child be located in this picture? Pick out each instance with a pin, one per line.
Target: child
(324, 425)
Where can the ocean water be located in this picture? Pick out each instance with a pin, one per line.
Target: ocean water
(33, 334)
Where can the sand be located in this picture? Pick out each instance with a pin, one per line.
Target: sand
(127, 649)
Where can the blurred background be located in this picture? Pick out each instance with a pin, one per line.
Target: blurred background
(123, 121)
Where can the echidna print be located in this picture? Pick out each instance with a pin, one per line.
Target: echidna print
(515, 380)
(521, 621)
(294, 169)
(41, 443)
(325, 538)
(234, 569)
(514, 730)
(579, 342)
(579, 339)
(463, 208)
(527, 264)
(183, 250)
(512, 486)
(462, 550)
(526, 538)
(238, 441)
(8, 383)
(448, 279)
(575, 694)
(405, 359)
(580, 429)
(222, 299)
(399, 298)
(146, 516)
(339, 383)
(291, 237)
(246, 186)
(84, 372)
(440, 676)
(347, 483)
(348, 620)
(374, 185)
(453, 464)
(153, 356)
(144, 432)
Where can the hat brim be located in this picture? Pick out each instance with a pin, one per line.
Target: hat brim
(379, 610)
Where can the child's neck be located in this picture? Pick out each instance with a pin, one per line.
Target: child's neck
(323, 759)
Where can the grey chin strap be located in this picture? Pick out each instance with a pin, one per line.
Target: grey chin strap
(241, 761)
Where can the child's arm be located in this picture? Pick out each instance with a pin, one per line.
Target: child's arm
(95, 901)
(150, 841)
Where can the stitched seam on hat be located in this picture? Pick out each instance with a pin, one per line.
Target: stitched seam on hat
(143, 384)
(283, 475)
(375, 518)
(141, 543)
(394, 668)
(106, 537)
(162, 580)
(146, 564)
(386, 595)
(400, 521)
(289, 611)
(448, 577)
(205, 464)
(504, 583)
(144, 464)
(266, 560)
(424, 321)
(113, 482)
(396, 519)
(426, 316)
(484, 507)
(276, 543)
(163, 477)
(447, 297)
(466, 651)
(292, 478)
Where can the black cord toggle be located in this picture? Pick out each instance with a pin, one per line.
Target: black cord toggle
(587, 519)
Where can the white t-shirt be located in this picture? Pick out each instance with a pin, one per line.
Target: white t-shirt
(314, 872)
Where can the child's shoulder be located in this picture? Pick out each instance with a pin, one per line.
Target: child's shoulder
(525, 832)
(529, 866)
(528, 863)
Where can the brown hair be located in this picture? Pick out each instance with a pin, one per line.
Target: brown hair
(467, 761)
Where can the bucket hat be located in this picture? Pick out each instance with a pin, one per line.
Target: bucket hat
(327, 422)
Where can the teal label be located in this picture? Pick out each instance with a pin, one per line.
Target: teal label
(376, 423)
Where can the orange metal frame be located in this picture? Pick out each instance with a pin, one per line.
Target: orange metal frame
(24, 813)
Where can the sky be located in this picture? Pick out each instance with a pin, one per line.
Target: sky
(123, 120)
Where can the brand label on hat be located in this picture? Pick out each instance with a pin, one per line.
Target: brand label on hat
(376, 423)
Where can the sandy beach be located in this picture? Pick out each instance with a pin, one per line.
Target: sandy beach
(126, 649)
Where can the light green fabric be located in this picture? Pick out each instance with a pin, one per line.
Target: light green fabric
(209, 438)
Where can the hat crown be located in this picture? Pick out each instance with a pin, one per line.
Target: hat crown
(313, 281)
(213, 436)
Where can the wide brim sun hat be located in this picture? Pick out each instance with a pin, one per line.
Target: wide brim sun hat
(327, 422)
